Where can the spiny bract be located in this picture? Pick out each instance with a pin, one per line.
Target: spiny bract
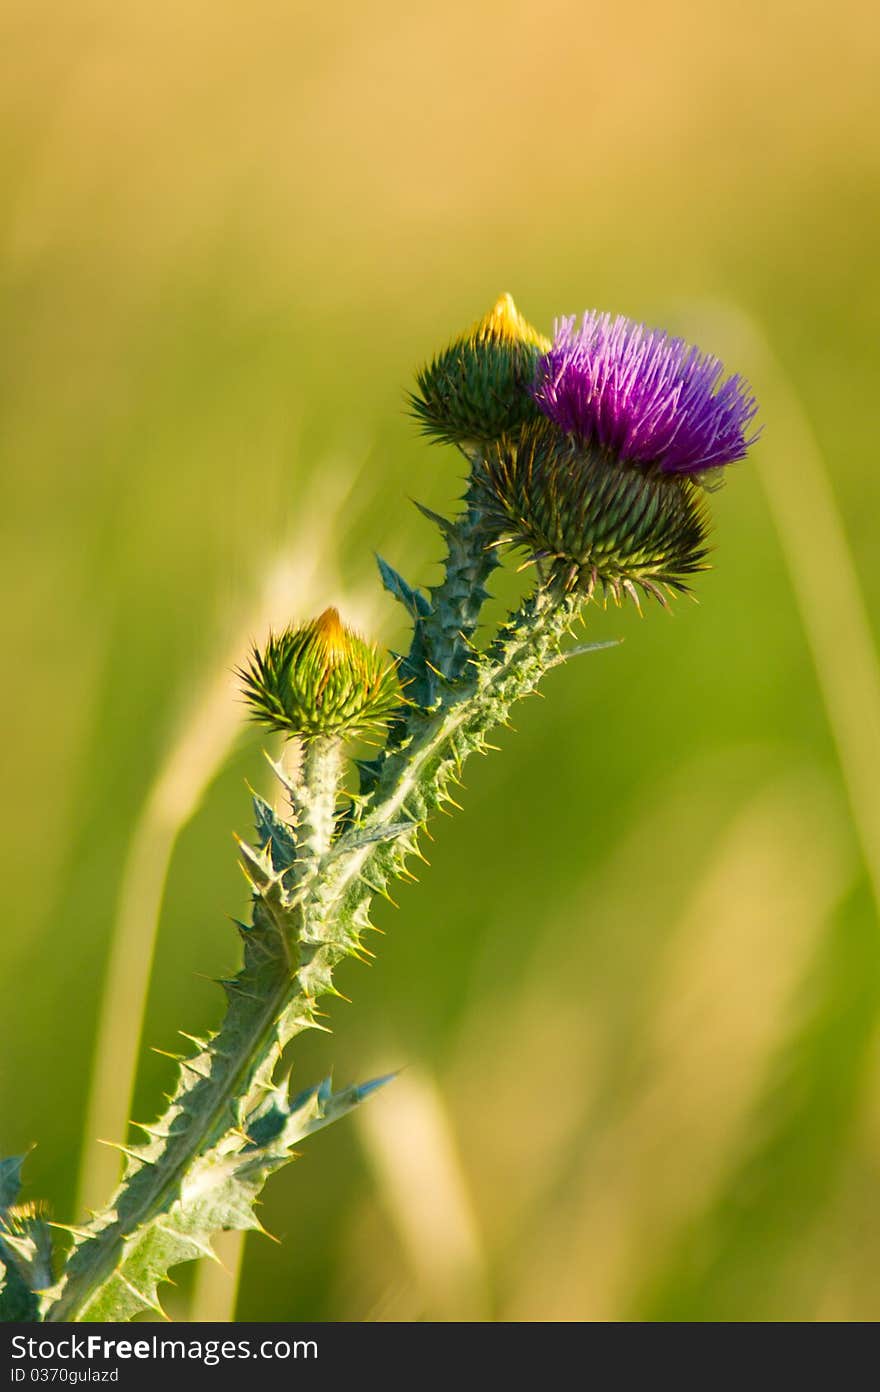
(596, 521)
(478, 387)
(320, 679)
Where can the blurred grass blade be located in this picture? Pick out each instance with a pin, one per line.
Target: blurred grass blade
(215, 1290)
(805, 513)
(760, 1249)
(409, 1141)
(191, 763)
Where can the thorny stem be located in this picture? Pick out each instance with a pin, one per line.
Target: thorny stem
(328, 874)
(247, 1061)
(459, 600)
(321, 769)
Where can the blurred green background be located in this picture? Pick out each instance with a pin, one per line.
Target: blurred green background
(637, 995)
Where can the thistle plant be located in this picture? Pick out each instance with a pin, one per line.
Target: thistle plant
(591, 456)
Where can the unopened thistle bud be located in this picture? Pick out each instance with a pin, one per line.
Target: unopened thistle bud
(319, 679)
(479, 387)
(593, 521)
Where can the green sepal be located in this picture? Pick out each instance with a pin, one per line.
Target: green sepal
(596, 522)
(320, 679)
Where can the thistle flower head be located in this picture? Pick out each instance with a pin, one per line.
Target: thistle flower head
(593, 522)
(478, 387)
(645, 398)
(320, 678)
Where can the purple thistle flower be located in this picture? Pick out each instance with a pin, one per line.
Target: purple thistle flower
(644, 397)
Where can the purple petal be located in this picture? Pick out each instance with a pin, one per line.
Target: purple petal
(643, 396)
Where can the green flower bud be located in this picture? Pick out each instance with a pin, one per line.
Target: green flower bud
(478, 387)
(321, 679)
(596, 520)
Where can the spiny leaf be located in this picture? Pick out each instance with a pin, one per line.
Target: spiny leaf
(229, 1123)
(216, 1194)
(373, 835)
(18, 1303)
(10, 1180)
(284, 1122)
(25, 1248)
(276, 834)
(412, 600)
(446, 526)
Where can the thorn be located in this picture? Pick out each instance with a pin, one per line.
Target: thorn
(231, 987)
(446, 526)
(148, 1129)
(634, 596)
(126, 1151)
(333, 990)
(71, 1228)
(146, 1301)
(190, 1068)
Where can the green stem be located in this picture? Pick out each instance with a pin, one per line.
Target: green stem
(267, 1009)
(458, 601)
(299, 935)
(442, 639)
(321, 770)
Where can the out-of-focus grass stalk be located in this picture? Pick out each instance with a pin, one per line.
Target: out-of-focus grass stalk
(829, 595)
(420, 1180)
(215, 1288)
(577, 1224)
(292, 588)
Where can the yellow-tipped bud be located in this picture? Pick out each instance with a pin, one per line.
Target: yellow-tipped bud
(503, 324)
(477, 389)
(321, 678)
